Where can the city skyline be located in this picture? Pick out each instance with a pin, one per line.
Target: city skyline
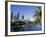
(27, 11)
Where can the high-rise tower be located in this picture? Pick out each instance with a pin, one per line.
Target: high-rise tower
(18, 15)
(22, 16)
(11, 15)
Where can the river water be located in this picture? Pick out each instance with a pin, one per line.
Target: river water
(30, 28)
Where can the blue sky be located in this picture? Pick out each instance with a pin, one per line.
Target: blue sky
(27, 11)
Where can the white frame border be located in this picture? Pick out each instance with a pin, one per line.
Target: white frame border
(29, 32)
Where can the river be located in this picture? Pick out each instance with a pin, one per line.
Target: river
(29, 28)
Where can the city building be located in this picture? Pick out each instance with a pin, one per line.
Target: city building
(18, 15)
(22, 16)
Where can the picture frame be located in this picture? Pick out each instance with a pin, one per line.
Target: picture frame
(12, 6)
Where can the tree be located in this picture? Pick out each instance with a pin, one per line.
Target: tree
(38, 15)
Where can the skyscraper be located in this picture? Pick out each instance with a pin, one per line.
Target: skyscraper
(18, 15)
(11, 15)
(22, 16)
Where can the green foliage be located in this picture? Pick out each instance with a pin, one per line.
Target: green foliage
(37, 15)
(20, 22)
(13, 24)
(17, 25)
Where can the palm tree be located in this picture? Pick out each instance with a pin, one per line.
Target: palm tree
(38, 15)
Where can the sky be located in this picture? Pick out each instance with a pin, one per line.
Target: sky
(27, 11)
